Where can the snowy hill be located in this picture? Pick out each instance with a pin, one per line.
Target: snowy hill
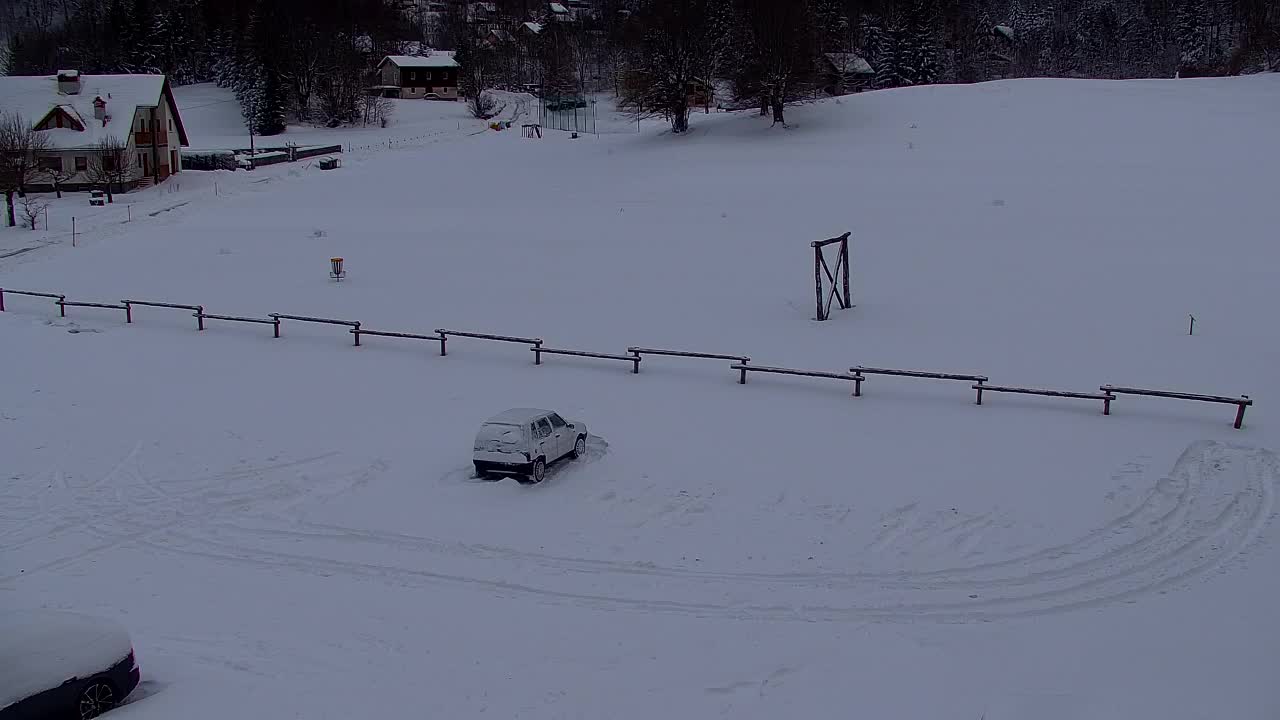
(289, 525)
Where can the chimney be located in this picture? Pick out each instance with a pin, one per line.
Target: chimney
(69, 82)
(100, 109)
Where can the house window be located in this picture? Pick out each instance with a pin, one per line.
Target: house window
(413, 75)
(108, 163)
(49, 162)
(170, 124)
(82, 163)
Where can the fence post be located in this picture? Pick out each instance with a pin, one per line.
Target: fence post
(817, 278)
(1240, 413)
(73, 231)
(1, 299)
(844, 254)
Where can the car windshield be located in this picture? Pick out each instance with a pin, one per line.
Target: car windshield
(501, 432)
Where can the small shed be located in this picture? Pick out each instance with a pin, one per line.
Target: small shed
(845, 72)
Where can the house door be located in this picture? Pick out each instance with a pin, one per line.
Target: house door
(146, 164)
(173, 161)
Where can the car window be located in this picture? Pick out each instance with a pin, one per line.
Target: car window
(557, 421)
(544, 428)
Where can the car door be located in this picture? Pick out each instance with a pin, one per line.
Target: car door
(545, 440)
(563, 435)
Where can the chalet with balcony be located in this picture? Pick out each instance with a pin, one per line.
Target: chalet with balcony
(411, 77)
(81, 115)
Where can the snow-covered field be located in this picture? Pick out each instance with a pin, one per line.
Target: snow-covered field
(288, 527)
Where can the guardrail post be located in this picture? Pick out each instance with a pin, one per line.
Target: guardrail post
(199, 317)
(62, 305)
(128, 312)
(1, 299)
(635, 364)
(978, 386)
(537, 353)
(356, 331)
(443, 340)
(857, 384)
(742, 374)
(1240, 412)
(1106, 403)
(276, 327)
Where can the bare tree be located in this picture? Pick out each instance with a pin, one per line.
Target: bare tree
(376, 109)
(476, 72)
(778, 44)
(19, 148)
(57, 174)
(32, 209)
(109, 165)
(679, 44)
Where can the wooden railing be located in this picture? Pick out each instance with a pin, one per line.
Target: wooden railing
(857, 374)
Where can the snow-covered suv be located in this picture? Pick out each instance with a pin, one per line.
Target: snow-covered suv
(524, 441)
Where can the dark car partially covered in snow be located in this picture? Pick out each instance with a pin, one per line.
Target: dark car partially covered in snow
(62, 665)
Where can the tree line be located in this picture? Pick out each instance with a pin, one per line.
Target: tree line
(312, 61)
(286, 59)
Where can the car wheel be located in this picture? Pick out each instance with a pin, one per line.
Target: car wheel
(539, 471)
(580, 447)
(96, 698)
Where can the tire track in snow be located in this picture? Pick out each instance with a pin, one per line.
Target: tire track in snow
(1189, 524)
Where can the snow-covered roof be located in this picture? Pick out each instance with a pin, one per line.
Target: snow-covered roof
(533, 27)
(440, 59)
(41, 649)
(517, 416)
(34, 96)
(850, 63)
(1004, 30)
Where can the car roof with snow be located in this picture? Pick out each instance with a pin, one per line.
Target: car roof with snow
(517, 416)
(41, 649)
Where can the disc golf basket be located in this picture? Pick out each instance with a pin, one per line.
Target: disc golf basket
(336, 272)
(839, 280)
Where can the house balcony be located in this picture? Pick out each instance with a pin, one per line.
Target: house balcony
(142, 138)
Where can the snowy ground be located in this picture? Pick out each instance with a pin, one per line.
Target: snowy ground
(289, 526)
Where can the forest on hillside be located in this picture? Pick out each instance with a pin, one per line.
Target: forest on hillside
(300, 60)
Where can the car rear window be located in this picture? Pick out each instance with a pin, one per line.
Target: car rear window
(506, 434)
